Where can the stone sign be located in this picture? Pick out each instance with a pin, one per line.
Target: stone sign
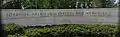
(60, 16)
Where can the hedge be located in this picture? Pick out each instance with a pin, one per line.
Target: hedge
(62, 30)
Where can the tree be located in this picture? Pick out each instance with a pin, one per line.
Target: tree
(99, 3)
(54, 4)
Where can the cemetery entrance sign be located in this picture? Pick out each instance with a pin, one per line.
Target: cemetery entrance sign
(60, 16)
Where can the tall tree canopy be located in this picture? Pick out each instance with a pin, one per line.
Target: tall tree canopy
(53, 4)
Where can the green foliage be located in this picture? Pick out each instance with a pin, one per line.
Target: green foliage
(54, 4)
(10, 26)
(17, 35)
(64, 30)
(13, 28)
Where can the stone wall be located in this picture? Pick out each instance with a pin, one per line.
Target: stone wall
(60, 16)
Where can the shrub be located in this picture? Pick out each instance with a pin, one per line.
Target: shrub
(67, 30)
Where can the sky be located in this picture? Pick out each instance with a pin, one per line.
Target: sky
(116, 1)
